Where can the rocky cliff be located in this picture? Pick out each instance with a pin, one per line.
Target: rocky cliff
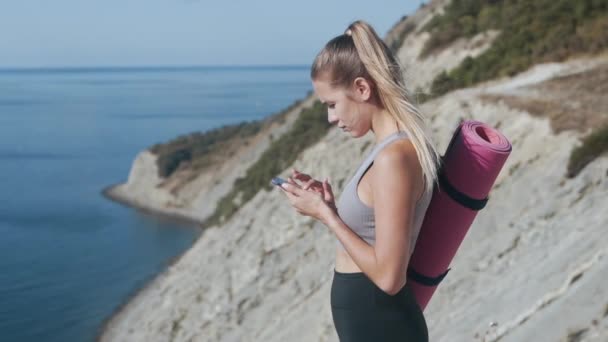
(532, 267)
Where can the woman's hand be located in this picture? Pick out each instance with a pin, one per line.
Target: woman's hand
(309, 202)
(310, 183)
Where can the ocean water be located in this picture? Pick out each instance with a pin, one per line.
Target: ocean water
(68, 256)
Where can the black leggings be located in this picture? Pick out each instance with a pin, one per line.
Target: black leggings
(363, 312)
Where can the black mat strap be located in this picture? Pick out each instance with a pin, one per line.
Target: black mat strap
(459, 197)
(425, 280)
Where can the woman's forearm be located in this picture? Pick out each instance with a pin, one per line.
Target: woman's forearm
(361, 252)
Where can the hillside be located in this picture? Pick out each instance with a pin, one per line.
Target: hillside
(533, 262)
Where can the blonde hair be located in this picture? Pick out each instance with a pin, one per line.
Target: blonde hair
(359, 52)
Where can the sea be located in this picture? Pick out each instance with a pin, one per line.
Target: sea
(69, 257)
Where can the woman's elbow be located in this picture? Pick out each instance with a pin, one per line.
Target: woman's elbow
(392, 286)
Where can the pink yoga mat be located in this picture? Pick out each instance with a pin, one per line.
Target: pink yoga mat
(470, 165)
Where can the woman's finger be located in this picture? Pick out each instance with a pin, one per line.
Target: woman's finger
(301, 176)
(308, 184)
(296, 176)
(327, 191)
(329, 186)
(295, 190)
(292, 181)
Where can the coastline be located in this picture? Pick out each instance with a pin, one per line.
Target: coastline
(119, 193)
(109, 193)
(107, 322)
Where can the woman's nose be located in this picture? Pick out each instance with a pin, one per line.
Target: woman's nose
(331, 118)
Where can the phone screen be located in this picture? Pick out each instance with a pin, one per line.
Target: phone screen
(278, 181)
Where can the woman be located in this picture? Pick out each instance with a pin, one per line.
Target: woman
(379, 213)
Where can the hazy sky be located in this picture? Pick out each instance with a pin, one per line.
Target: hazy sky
(43, 33)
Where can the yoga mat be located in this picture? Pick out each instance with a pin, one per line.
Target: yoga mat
(472, 161)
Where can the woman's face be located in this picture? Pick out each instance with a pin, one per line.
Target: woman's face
(348, 108)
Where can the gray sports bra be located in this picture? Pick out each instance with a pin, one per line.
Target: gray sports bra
(359, 217)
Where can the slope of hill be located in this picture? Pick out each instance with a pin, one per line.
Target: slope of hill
(530, 269)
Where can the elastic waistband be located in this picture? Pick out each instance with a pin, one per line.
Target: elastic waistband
(350, 275)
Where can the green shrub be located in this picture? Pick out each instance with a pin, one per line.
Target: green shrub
(594, 145)
(167, 163)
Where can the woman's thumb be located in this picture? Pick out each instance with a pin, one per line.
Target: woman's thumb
(328, 195)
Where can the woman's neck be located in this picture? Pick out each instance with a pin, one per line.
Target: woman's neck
(383, 125)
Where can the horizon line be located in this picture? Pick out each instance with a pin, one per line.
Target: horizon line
(149, 67)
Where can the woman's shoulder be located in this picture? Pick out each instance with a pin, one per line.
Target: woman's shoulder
(398, 152)
(399, 162)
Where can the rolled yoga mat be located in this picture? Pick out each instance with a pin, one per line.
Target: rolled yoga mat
(474, 157)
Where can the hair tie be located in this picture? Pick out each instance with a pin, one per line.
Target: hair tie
(348, 32)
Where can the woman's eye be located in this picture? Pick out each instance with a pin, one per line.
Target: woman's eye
(331, 106)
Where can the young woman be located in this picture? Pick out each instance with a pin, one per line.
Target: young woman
(379, 213)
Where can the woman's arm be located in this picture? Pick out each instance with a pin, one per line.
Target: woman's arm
(394, 184)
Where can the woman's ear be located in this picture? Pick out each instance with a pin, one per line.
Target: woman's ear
(362, 88)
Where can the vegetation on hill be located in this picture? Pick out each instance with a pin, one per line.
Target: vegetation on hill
(200, 150)
(593, 146)
(196, 149)
(310, 126)
(531, 32)
(398, 32)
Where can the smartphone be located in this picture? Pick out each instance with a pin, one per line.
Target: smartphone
(278, 181)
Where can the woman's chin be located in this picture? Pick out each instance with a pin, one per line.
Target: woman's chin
(354, 134)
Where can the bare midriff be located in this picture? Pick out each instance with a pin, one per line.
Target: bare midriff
(344, 263)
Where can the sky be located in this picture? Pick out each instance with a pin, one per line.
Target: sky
(81, 33)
